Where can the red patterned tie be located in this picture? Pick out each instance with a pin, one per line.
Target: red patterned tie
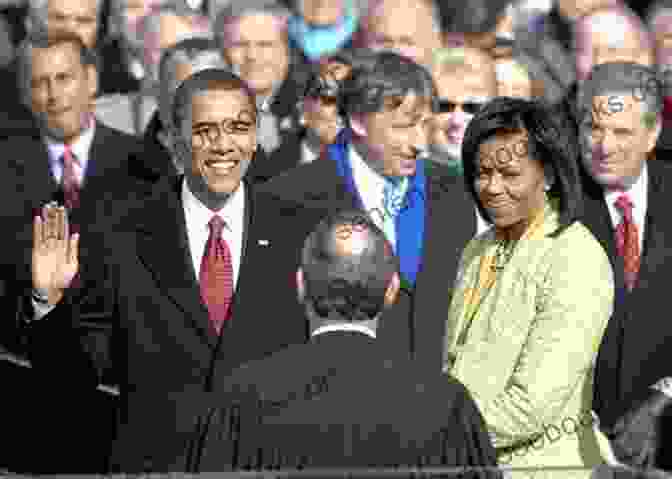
(70, 182)
(216, 276)
(627, 241)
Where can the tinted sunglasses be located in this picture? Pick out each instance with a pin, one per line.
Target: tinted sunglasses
(449, 106)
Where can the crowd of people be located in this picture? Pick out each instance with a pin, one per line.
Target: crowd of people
(335, 234)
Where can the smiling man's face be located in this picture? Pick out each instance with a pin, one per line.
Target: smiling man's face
(223, 140)
(395, 135)
(616, 139)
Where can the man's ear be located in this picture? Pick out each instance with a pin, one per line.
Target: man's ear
(357, 125)
(654, 134)
(392, 290)
(300, 285)
(92, 78)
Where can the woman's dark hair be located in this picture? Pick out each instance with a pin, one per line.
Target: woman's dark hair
(550, 141)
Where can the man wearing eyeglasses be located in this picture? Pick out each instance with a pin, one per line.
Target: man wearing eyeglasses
(465, 79)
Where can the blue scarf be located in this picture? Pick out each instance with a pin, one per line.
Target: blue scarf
(410, 222)
(318, 41)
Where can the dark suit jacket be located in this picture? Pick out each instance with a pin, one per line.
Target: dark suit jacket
(338, 402)
(154, 334)
(416, 324)
(635, 349)
(114, 74)
(285, 158)
(116, 176)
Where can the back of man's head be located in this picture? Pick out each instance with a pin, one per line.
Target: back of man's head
(350, 272)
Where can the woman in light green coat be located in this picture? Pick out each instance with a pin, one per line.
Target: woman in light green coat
(533, 293)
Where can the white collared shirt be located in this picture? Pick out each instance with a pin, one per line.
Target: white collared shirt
(81, 148)
(371, 187)
(197, 216)
(307, 155)
(344, 327)
(638, 195)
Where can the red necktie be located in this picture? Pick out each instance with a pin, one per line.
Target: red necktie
(324, 153)
(69, 181)
(627, 241)
(216, 276)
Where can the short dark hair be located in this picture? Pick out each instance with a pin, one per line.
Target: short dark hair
(625, 78)
(352, 284)
(376, 76)
(42, 39)
(205, 80)
(550, 141)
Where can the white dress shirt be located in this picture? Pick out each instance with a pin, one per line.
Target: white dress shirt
(371, 187)
(638, 195)
(344, 327)
(198, 216)
(307, 154)
(80, 149)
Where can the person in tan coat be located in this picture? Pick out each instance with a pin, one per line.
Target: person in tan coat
(533, 294)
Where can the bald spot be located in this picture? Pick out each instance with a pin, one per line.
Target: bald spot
(350, 240)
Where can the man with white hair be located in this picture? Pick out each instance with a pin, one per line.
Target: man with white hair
(611, 34)
(155, 32)
(253, 38)
(411, 28)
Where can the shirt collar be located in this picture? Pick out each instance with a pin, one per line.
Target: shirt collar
(364, 175)
(636, 192)
(199, 215)
(80, 147)
(344, 327)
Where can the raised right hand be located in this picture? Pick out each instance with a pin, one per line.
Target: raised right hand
(55, 253)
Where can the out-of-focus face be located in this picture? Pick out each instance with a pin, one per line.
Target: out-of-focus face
(616, 138)
(76, 16)
(403, 26)
(462, 93)
(394, 136)
(165, 30)
(662, 29)
(256, 46)
(573, 9)
(509, 183)
(61, 90)
(608, 37)
(183, 70)
(512, 79)
(321, 12)
(320, 113)
(223, 141)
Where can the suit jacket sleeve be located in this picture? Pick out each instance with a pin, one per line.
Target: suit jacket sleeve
(573, 304)
(476, 446)
(72, 343)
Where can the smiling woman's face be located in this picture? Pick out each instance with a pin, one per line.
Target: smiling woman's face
(509, 183)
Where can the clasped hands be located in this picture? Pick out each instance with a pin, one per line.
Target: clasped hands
(636, 437)
(55, 253)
